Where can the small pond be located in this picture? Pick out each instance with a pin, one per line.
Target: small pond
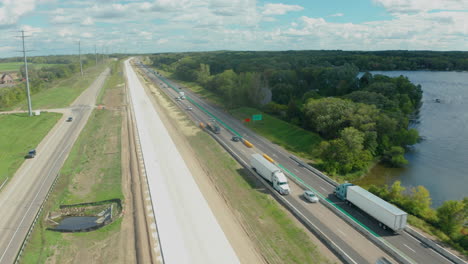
(77, 223)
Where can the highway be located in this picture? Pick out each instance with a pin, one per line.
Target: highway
(22, 197)
(352, 242)
(187, 229)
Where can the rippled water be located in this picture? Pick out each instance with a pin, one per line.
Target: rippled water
(440, 161)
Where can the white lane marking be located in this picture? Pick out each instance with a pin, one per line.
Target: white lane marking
(341, 232)
(295, 170)
(409, 248)
(323, 188)
(274, 155)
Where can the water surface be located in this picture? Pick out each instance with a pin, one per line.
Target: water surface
(440, 161)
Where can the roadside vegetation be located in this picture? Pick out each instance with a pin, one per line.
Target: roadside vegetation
(55, 82)
(91, 173)
(18, 134)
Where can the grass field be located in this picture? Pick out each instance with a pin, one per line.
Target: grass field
(63, 92)
(18, 134)
(290, 137)
(92, 172)
(15, 66)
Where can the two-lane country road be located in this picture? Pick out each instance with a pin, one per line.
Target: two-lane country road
(187, 229)
(21, 198)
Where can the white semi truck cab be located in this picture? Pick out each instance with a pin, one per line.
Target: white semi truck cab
(271, 173)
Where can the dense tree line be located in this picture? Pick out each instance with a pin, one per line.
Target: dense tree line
(39, 78)
(259, 61)
(361, 119)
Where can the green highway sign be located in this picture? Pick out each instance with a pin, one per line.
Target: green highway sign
(256, 117)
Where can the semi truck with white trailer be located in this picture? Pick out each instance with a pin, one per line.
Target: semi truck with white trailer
(271, 173)
(388, 215)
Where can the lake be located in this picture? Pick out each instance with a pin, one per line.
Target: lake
(440, 161)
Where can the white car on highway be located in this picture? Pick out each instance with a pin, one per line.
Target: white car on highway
(311, 196)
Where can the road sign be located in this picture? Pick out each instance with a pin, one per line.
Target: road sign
(256, 117)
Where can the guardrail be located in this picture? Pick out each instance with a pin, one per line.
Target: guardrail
(25, 240)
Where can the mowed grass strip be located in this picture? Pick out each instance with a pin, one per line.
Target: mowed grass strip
(62, 93)
(92, 172)
(293, 138)
(18, 134)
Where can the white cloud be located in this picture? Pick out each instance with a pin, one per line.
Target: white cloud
(12, 10)
(337, 15)
(30, 30)
(87, 21)
(86, 35)
(65, 32)
(162, 41)
(280, 9)
(408, 6)
(62, 19)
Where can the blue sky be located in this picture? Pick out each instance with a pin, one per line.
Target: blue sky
(56, 26)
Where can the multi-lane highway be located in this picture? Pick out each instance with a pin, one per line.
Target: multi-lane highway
(187, 229)
(22, 197)
(351, 242)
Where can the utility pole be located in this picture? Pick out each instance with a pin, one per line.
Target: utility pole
(79, 52)
(27, 77)
(95, 53)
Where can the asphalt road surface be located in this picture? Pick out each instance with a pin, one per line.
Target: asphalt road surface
(352, 242)
(22, 197)
(188, 231)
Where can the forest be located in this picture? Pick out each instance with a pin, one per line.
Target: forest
(362, 119)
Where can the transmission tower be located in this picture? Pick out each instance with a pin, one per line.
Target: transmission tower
(79, 53)
(28, 93)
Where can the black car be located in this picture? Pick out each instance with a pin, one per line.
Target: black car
(70, 119)
(31, 154)
(236, 138)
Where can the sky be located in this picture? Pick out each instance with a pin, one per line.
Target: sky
(134, 26)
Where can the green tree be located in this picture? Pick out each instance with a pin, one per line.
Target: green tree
(420, 201)
(452, 215)
(395, 157)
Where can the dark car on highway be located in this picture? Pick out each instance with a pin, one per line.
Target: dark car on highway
(31, 154)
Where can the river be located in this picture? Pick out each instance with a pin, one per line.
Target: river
(440, 161)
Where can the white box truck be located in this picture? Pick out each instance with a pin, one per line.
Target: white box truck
(388, 215)
(181, 95)
(271, 173)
